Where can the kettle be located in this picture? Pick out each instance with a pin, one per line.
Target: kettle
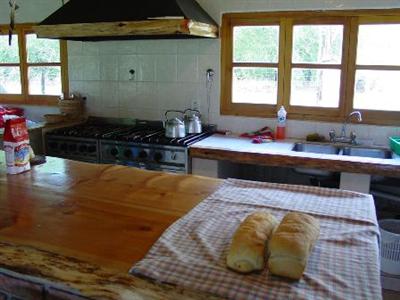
(192, 121)
(174, 128)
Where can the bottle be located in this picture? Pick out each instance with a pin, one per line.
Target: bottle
(281, 126)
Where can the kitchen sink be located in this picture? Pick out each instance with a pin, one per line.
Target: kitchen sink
(367, 152)
(316, 148)
(336, 150)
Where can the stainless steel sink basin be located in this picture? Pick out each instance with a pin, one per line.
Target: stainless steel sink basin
(336, 150)
(367, 152)
(315, 148)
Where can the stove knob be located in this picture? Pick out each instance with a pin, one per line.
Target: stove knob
(63, 146)
(92, 149)
(128, 153)
(114, 151)
(82, 148)
(142, 154)
(158, 156)
(72, 147)
(173, 156)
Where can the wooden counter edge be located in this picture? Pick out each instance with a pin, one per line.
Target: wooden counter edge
(283, 160)
(87, 279)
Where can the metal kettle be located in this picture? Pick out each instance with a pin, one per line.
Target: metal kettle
(174, 128)
(192, 121)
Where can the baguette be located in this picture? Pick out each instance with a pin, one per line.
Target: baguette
(247, 251)
(291, 245)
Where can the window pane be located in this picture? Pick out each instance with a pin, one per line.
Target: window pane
(9, 54)
(315, 87)
(321, 44)
(377, 90)
(256, 44)
(10, 80)
(255, 85)
(42, 50)
(378, 44)
(44, 80)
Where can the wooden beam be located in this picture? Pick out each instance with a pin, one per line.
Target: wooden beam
(129, 28)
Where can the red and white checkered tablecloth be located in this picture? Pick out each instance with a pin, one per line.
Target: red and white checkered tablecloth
(344, 263)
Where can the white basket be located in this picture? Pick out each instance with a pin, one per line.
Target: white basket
(390, 246)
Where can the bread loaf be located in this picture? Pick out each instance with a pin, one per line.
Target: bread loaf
(291, 245)
(247, 251)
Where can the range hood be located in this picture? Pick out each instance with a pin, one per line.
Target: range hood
(96, 20)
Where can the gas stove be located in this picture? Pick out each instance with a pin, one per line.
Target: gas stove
(131, 142)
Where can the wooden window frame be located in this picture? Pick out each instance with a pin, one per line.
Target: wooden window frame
(25, 98)
(370, 116)
(227, 106)
(317, 112)
(351, 19)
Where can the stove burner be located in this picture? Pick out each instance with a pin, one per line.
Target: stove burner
(143, 145)
(89, 130)
(153, 136)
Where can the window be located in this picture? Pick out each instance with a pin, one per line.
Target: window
(319, 65)
(255, 73)
(32, 70)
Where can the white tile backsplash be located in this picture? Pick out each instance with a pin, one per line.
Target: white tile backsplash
(109, 95)
(109, 68)
(146, 96)
(188, 69)
(127, 94)
(146, 68)
(188, 47)
(155, 47)
(91, 68)
(90, 48)
(166, 68)
(75, 48)
(126, 63)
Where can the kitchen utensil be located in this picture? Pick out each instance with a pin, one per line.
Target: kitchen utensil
(174, 128)
(192, 121)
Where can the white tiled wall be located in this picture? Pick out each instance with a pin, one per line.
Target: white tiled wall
(170, 74)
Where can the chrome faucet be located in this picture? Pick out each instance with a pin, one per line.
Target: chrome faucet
(343, 138)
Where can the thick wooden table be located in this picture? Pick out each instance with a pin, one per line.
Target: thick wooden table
(85, 225)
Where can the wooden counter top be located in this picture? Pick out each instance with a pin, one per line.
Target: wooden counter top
(65, 217)
(241, 150)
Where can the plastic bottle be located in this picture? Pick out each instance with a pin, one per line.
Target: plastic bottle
(281, 125)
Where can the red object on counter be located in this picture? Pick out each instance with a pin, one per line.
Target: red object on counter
(280, 133)
(16, 146)
(4, 111)
(265, 133)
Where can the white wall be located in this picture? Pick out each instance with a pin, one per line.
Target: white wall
(171, 73)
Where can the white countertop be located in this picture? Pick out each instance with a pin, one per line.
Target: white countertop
(284, 147)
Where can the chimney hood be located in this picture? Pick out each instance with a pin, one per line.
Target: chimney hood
(99, 20)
